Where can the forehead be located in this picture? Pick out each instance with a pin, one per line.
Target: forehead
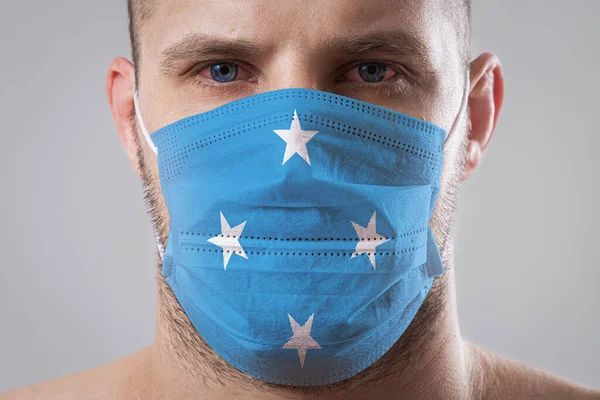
(301, 26)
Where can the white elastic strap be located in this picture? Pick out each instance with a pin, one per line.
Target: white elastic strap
(138, 114)
(463, 106)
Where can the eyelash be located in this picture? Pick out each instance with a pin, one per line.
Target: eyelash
(387, 86)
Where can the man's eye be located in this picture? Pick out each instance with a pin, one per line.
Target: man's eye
(221, 72)
(370, 72)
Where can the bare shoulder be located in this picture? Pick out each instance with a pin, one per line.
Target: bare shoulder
(109, 381)
(499, 377)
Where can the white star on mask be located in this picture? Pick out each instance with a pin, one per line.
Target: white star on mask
(301, 340)
(228, 240)
(369, 240)
(296, 140)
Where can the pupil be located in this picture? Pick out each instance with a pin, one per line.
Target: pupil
(225, 72)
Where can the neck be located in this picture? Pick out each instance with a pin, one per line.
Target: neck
(429, 361)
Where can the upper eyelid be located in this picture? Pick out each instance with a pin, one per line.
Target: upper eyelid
(392, 66)
(205, 64)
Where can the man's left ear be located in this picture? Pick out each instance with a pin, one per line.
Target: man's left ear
(485, 101)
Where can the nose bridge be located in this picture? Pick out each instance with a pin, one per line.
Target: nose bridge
(296, 67)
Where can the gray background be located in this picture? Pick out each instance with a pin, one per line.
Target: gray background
(77, 283)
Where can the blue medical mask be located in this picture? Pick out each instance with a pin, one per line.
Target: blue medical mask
(299, 242)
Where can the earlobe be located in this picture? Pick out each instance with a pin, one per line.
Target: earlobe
(472, 158)
(485, 101)
(119, 91)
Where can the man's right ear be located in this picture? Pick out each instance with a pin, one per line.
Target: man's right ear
(119, 91)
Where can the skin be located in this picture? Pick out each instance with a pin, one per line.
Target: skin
(431, 360)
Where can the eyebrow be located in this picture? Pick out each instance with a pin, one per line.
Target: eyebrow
(396, 42)
(198, 46)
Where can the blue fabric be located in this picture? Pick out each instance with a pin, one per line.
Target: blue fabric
(292, 303)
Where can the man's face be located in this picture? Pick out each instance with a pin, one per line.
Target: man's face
(309, 44)
(416, 50)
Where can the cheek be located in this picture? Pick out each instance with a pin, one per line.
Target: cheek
(441, 103)
(441, 110)
(427, 106)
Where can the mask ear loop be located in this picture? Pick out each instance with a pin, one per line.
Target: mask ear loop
(463, 106)
(138, 114)
(140, 120)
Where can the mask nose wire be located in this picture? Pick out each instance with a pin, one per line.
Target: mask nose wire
(463, 106)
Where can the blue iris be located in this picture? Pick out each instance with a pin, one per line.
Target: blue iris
(372, 72)
(224, 72)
